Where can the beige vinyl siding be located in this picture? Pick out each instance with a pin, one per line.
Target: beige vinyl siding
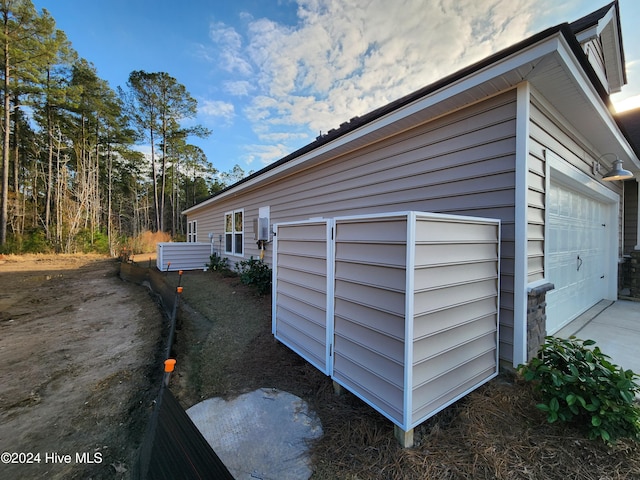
(300, 304)
(460, 163)
(455, 310)
(548, 131)
(535, 218)
(595, 55)
(174, 256)
(367, 359)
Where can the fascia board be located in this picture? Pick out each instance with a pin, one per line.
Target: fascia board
(572, 66)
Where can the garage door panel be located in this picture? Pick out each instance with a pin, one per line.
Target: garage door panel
(577, 254)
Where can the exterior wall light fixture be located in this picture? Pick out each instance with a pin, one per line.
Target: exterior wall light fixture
(615, 173)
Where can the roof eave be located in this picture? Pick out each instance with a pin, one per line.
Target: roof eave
(358, 124)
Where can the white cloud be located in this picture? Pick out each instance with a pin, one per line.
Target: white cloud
(279, 137)
(347, 58)
(203, 52)
(240, 88)
(218, 109)
(229, 44)
(265, 154)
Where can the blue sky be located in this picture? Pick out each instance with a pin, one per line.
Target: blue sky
(270, 75)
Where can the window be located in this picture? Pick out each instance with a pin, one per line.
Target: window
(192, 231)
(234, 232)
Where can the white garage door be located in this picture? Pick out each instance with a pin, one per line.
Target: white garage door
(577, 254)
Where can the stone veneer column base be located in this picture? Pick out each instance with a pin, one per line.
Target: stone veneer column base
(536, 318)
(634, 274)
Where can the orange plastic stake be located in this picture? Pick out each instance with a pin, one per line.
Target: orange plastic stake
(169, 365)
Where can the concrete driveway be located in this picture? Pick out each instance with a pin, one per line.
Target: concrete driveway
(615, 327)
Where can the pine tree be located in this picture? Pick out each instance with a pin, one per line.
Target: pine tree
(23, 34)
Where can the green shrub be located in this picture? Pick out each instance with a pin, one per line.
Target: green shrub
(33, 241)
(582, 386)
(256, 273)
(92, 242)
(218, 263)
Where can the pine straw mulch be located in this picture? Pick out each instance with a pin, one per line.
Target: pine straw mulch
(493, 433)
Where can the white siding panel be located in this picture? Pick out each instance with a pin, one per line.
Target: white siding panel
(377, 320)
(381, 254)
(307, 264)
(174, 256)
(595, 53)
(378, 298)
(302, 249)
(313, 297)
(456, 354)
(455, 302)
(468, 376)
(450, 275)
(384, 231)
(432, 300)
(304, 279)
(437, 231)
(436, 321)
(303, 233)
(382, 276)
(407, 330)
(374, 340)
(384, 395)
(300, 291)
(375, 254)
(368, 374)
(303, 308)
(456, 338)
(453, 253)
(305, 338)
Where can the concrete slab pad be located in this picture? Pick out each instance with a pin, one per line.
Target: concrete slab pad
(260, 435)
(616, 330)
(623, 314)
(612, 341)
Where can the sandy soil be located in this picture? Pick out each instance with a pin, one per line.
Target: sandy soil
(78, 350)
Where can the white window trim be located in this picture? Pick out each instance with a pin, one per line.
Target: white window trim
(233, 232)
(192, 231)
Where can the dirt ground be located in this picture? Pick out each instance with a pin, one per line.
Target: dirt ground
(79, 349)
(77, 353)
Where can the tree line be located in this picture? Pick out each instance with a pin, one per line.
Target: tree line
(72, 179)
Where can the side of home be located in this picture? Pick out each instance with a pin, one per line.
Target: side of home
(516, 137)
